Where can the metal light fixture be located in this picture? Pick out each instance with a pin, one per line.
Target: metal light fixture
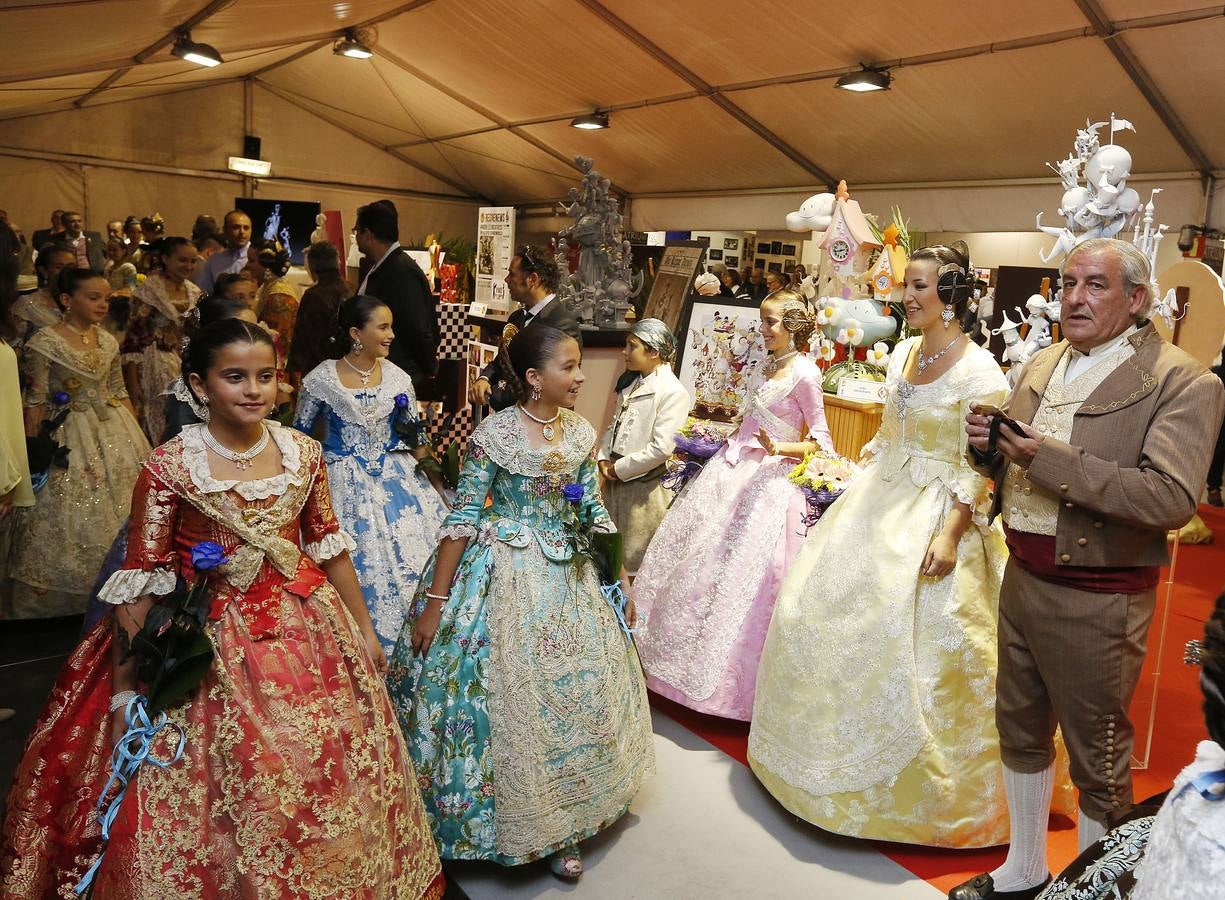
(592, 122)
(200, 54)
(865, 81)
(351, 47)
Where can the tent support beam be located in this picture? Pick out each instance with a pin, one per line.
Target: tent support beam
(1105, 29)
(500, 123)
(702, 87)
(464, 192)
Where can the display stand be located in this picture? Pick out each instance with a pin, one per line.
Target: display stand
(1143, 710)
(852, 423)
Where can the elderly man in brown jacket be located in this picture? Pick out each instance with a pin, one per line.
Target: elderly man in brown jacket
(1101, 449)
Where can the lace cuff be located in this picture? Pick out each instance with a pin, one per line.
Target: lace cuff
(126, 585)
(137, 357)
(457, 532)
(331, 546)
(961, 491)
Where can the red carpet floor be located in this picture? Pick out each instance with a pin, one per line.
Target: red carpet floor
(1199, 576)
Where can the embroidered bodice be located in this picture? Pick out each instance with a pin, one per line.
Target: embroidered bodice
(157, 318)
(359, 421)
(525, 485)
(91, 377)
(922, 432)
(790, 409)
(273, 530)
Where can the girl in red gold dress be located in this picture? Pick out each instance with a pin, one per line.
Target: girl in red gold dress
(295, 781)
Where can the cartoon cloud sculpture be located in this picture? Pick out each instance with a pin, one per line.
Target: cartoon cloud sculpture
(814, 214)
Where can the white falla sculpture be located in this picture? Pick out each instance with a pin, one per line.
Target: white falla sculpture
(1103, 205)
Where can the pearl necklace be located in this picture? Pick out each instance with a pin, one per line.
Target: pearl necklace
(241, 460)
(364, 374)
(547, 430)
(773, 362)
(925, 361)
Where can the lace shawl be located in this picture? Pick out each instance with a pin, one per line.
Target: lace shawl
(503, 439)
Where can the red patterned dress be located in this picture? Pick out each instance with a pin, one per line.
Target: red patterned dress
(295, 781)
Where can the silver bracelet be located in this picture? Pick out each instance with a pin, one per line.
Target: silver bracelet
(122, 699)
(443, 597)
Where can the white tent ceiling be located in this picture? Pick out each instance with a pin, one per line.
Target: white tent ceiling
(472, 99)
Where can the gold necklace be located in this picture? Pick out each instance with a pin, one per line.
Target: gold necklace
(85, 335)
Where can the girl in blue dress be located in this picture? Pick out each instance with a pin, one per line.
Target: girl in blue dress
(381, 497)
(521, 697)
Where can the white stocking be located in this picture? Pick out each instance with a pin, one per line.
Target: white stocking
(1029, 807)
(1088, 831)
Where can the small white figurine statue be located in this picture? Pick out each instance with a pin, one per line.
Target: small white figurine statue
(1039, 335)
(320, 233)
(1015, 351)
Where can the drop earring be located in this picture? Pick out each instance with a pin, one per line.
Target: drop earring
(947, 314)
(536, 393)
(357, 346)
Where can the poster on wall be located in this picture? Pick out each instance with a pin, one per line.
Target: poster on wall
(721, 354)
(495, 248)
(677, 270)
(290, 222)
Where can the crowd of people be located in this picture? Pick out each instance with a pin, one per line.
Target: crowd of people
(406, 670)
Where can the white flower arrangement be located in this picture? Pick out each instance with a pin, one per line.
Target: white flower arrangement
(824, 350)
(828, 314)
(851, 333)
(879, 354)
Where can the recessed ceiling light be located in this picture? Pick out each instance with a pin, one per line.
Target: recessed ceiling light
(351, 47)
(200, 54)
(865, 81)
(592, 122)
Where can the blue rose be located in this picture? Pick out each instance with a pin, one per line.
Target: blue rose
(573, 492)
(401, 401)
(60, 397)
(207, 555)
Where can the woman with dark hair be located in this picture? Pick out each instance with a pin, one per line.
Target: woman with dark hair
(317, 313)
(72, 368)
(294, 780)
(521, 696)
(367, 409)
(151, 347)
(41, 308)
(875, 709)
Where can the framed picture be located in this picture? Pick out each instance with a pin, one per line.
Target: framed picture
(679, 266)
(714, 255)
(763, 249)
(732, 262)
(775, 267)
(776, 248)
(721, 353)
(731, 243)
(788, 249)
(788, 265)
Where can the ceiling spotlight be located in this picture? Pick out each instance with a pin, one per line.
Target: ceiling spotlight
(351, 47)
(592, 122)
(865, 81)
(200, 54)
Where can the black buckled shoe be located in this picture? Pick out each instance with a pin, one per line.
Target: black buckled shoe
(981, 887)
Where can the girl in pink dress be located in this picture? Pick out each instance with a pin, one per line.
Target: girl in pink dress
(710, 576)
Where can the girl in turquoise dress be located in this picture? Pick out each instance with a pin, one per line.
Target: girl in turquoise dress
(521, 696)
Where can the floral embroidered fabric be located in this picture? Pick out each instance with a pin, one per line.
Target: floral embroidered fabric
(528, 719)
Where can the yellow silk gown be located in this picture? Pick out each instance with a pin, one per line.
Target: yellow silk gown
(875, 708)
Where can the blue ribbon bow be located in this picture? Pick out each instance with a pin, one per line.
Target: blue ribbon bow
(1211, 785)
(618, 600)
(130, 753)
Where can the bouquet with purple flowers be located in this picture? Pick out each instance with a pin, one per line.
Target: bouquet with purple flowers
(697, 442)
(822, 477)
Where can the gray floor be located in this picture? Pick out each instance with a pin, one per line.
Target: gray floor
(705, 828)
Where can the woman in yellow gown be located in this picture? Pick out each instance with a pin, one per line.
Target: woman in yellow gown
(874, 715)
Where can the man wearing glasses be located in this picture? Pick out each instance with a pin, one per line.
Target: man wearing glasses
(532, 282)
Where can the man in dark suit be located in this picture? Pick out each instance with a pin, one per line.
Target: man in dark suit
(390, 274)
(87, 245)
(44, 236)
(532, 282)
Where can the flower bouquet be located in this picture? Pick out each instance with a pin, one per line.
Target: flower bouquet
(43, 450)
(413, 429)
(822, 477)
(697, 442)
(592, 546)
